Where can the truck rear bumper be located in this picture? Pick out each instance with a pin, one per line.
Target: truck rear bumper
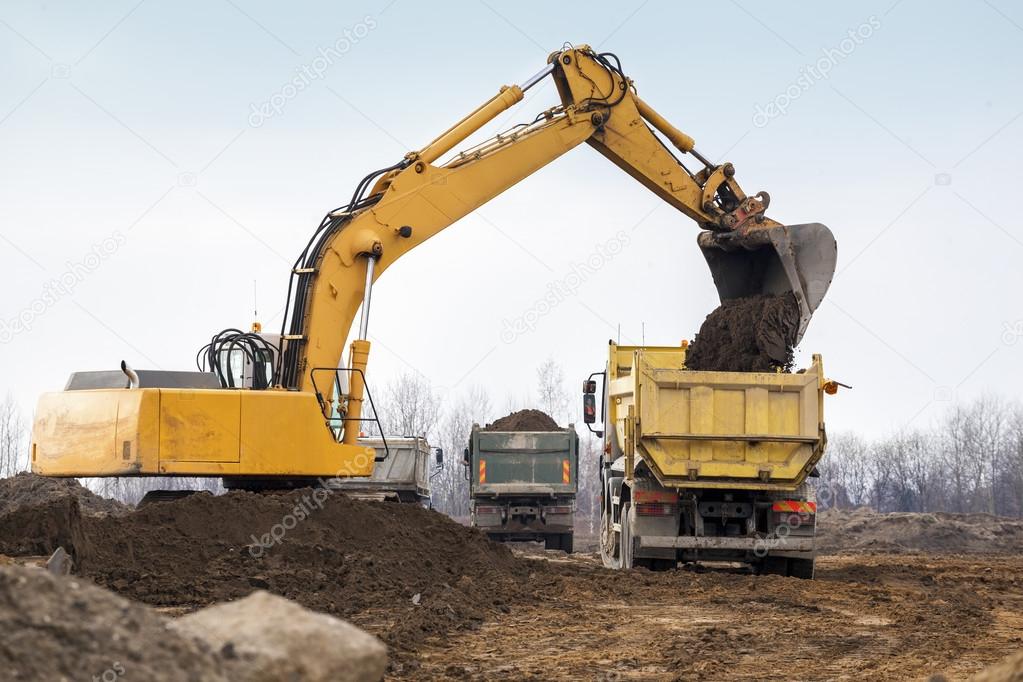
(788, 544)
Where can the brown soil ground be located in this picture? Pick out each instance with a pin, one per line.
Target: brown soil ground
(524, 420)
(752, 334)
(865, 616)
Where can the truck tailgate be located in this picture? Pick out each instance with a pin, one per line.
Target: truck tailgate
(725, 429)
(541, 462)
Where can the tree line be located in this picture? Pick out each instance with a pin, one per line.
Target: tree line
(970, 460)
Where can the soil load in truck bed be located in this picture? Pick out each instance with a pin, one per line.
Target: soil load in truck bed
(751, 334)
(524, 420)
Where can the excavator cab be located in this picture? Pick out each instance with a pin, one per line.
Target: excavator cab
(773, 260)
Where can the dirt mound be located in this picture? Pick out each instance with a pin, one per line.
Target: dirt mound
(866, 530)
(41, 528)
(752, 334)
(39, 514)
(27, 490)
(66, 629)
(400, 571)
(524, 420)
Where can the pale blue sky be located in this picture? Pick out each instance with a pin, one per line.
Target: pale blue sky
(134, 120)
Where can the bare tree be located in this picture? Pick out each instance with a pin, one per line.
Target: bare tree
(13, 448)
(550, 379)
(450, 489)
(411, 407)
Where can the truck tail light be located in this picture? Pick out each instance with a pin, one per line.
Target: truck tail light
(558, 510)
(488, 510)
(654, 509)
(655, 496)
(795, 506)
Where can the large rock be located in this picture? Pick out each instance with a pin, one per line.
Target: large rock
(264, 637)
(62, 628)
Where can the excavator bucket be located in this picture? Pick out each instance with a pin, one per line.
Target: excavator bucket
(773, 260)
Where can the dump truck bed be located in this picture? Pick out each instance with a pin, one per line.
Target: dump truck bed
(404, 471)
(735, 430)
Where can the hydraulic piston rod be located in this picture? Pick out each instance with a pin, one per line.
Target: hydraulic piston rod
(359, 357)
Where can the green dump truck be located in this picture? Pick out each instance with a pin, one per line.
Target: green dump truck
(522, 484)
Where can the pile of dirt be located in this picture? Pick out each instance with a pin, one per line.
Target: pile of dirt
(39, 514)
(66, 629)
(863, 529)
(400, 571)
(28, 490)
(524, 420)
(752, 334)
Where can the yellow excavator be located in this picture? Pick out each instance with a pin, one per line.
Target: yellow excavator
(302, 419)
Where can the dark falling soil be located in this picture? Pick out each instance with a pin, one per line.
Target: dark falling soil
(752, 334)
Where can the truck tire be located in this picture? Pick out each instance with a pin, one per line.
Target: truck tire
(625, 547)
(774, 565)
(610, 543)
(801, 568)
(552, 542)
(566, 543)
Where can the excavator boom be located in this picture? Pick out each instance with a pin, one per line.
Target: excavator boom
(308, 424)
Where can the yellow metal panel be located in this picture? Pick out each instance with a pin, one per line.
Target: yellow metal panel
(701, 419)
(100, 432)
(757, 421)
(284, 433)
(189, 433)
(199, 425)
(729, 417)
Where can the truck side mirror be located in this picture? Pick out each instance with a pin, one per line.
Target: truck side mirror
(440, 456)
(589, 387)
(465, 457)
(589, 408)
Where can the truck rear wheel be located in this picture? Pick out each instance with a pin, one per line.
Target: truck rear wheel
(625, 546)
(610, 552)
(566, 543)
(795, 568)
(801, 568)
(552, 542)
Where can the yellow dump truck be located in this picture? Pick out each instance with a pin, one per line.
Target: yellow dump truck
(706, 466)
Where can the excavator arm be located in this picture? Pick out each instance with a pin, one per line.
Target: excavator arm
(268, 433)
